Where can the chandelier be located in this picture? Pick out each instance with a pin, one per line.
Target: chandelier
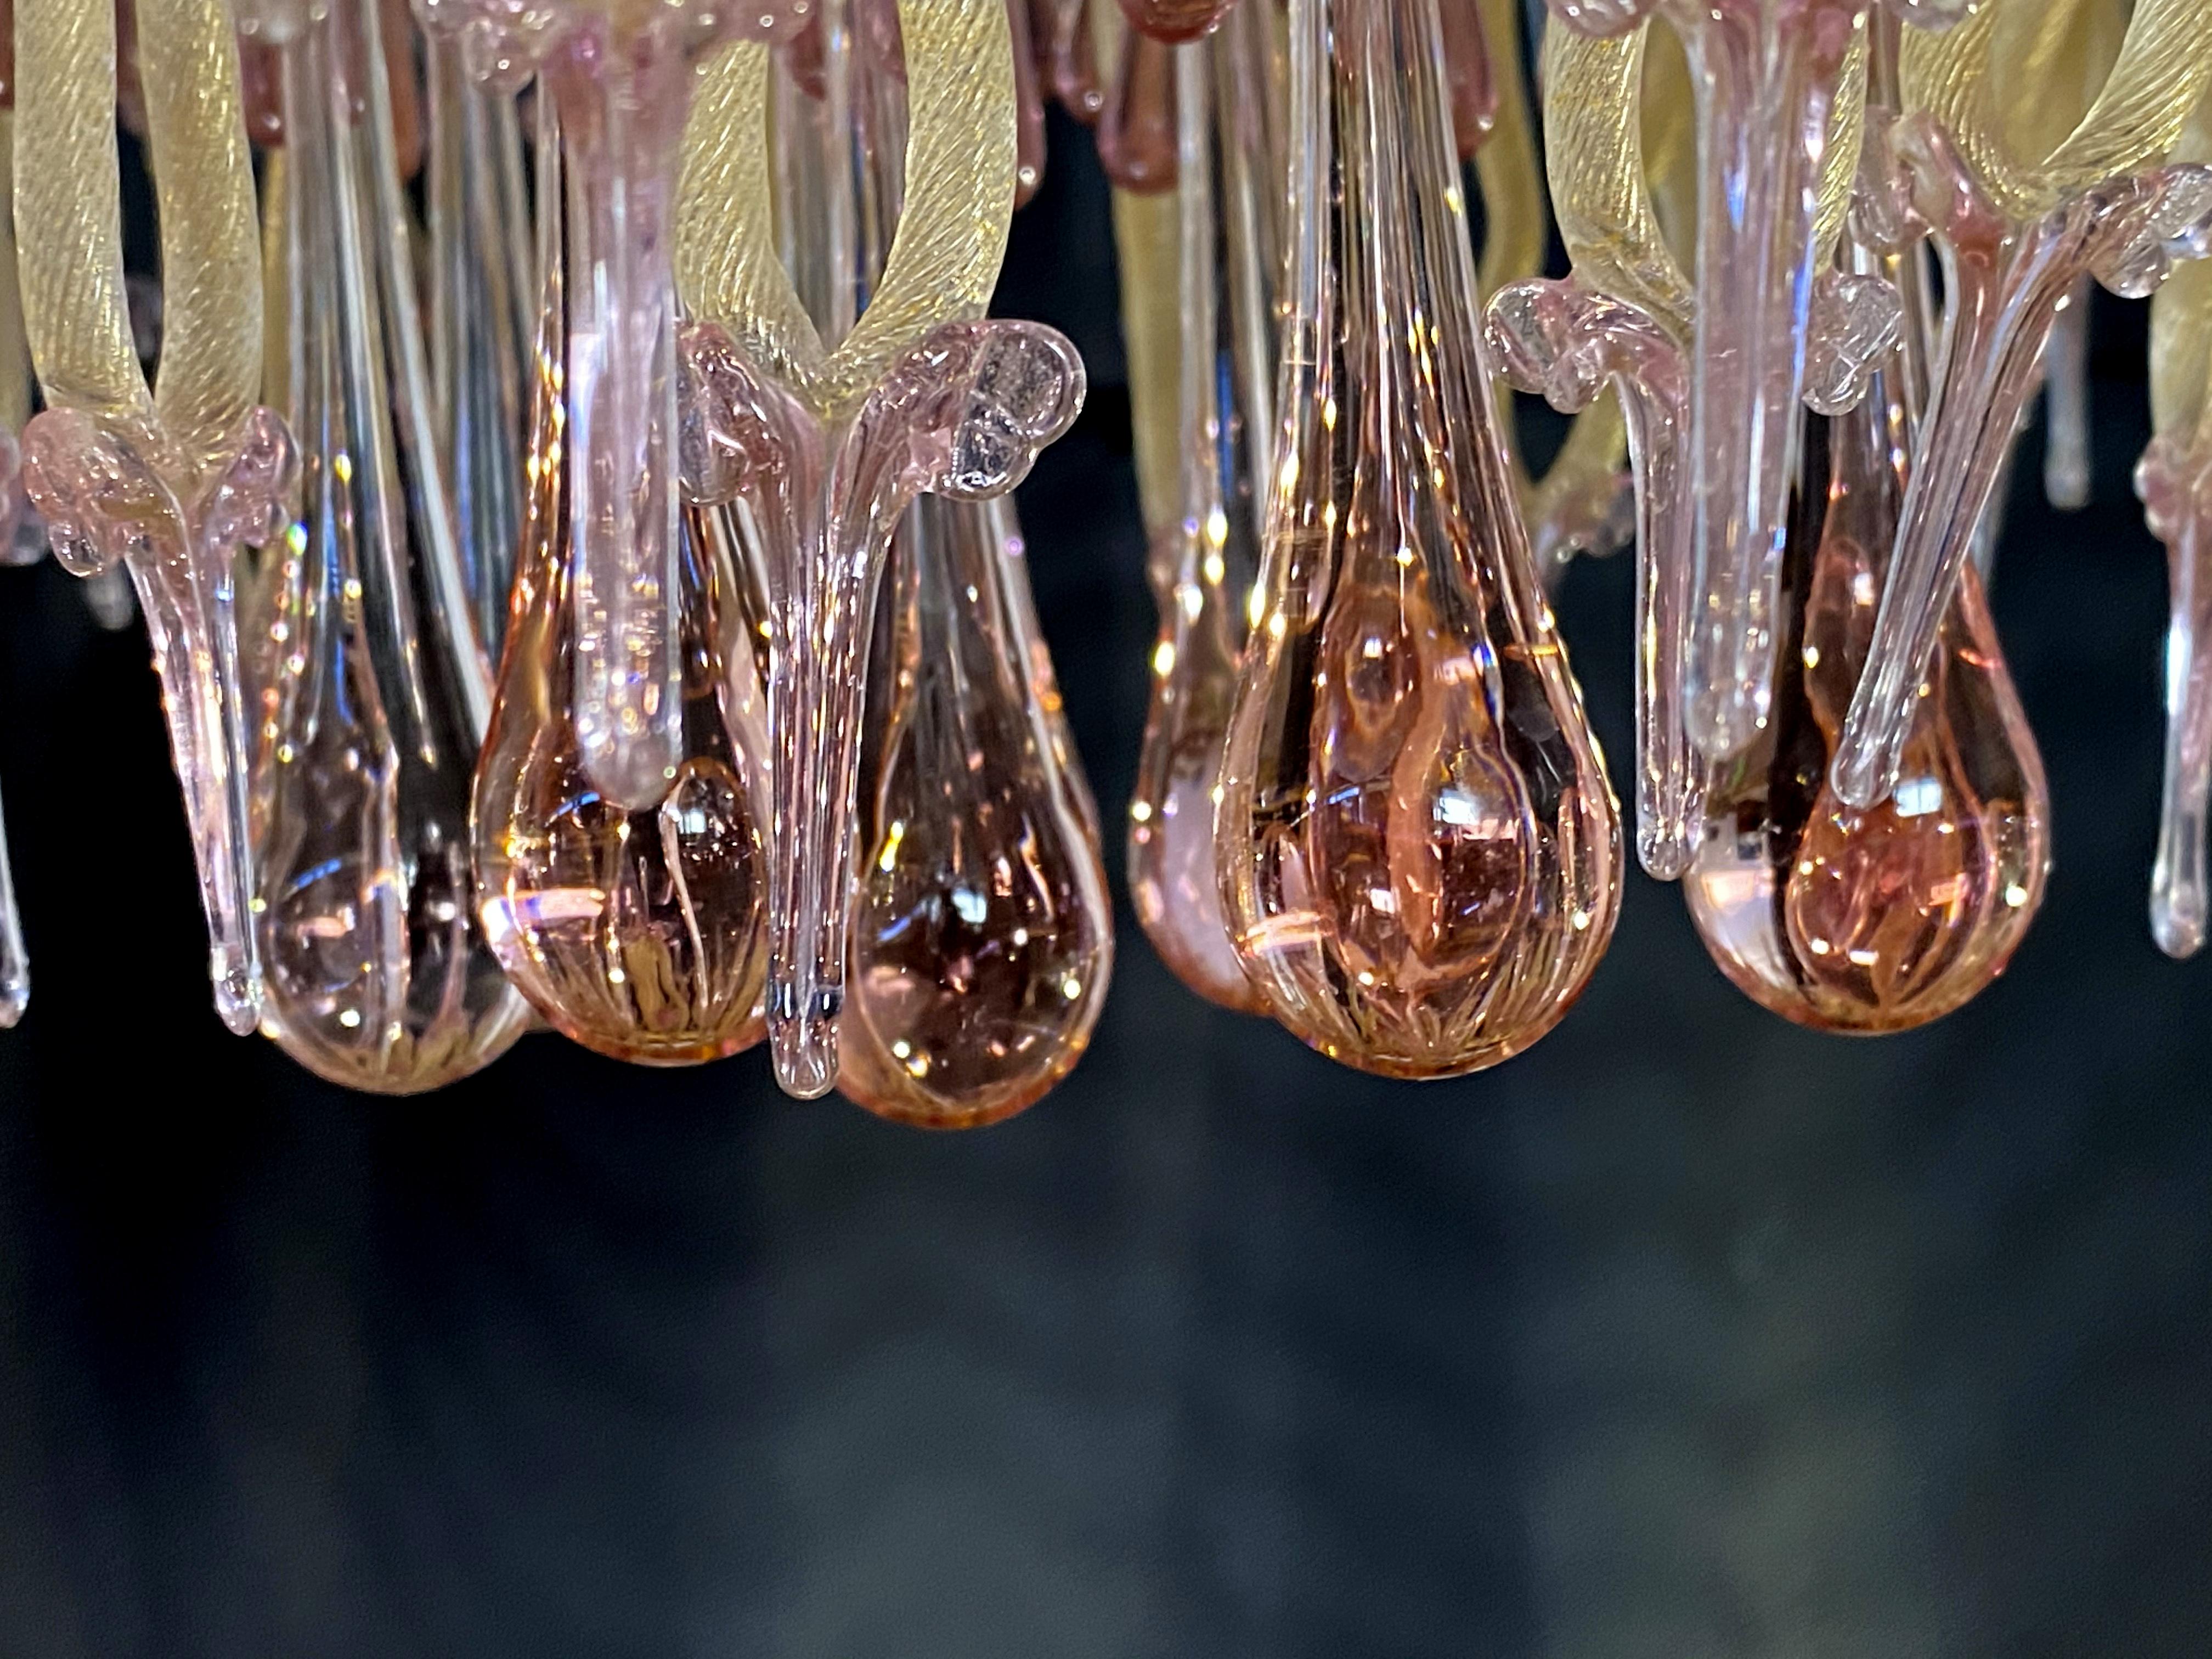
(570, 502)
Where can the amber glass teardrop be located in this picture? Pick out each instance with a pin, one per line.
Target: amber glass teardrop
(1420, 852)
(982, 934)
(1884, 918)
(641, 934)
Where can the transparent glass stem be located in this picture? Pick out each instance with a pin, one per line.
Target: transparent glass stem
(818, 222)
(1569, 343)
(1989, 528)
(1203, 560)
(1766, 77)
(2005, 282)
(14, 961)
(1998, 306)
(2178, 891)
(481, 293)
(1251, 211)
(623, 121)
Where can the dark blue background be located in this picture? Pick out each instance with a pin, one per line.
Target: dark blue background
(1688, 1335)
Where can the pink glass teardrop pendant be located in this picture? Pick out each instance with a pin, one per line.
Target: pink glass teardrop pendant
(1420, 851)
(961, 415)
(621, 79)
(1067, 57)
(1879, 919)
(982, 934)
(1767, 74)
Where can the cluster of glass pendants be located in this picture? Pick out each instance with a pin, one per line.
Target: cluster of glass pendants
(571, 513)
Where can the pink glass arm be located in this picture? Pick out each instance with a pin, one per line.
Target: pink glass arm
(1858, 320)
(963, 416)
(504, 42)
(2176, 487)
(1568, 342)
(2003, 283)
(107, 488)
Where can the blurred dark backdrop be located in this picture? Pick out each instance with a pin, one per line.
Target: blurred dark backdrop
(1688, 1335)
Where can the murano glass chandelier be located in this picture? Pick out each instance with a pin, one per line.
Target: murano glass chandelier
(570, 502)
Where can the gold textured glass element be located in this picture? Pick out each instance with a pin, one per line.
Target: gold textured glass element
(168, 482)
(1420, 852)
(21, 539)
